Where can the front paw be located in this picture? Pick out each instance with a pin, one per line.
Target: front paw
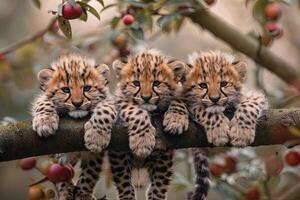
(175, 123)
(95, 139)
(45, 125)
(218, 133)
(142, 143)
(241, 136)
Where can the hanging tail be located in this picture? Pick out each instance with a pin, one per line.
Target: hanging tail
(202, 176)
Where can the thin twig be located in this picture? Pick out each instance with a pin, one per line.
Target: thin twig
(30, 39)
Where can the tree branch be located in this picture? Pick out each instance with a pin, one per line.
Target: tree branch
(30, 39)
(19, 140)
(246, 45)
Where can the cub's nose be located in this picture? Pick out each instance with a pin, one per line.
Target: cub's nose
(146, 98)
(214, 99)
(77, 104)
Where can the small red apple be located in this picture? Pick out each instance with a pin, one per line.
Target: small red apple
(292, 158)
(71, 12)
(128, 19)
(58, 173)
(275, 29)
(35, 193)
(28, 163)
(272, 11)
(253, 194)
(216, 169)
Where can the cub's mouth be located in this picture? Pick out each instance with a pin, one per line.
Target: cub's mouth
(215, 109)
(78, 113)
(148, 107)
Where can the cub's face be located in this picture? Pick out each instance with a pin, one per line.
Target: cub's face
(148, 79)
(74, 84)
(214, 80)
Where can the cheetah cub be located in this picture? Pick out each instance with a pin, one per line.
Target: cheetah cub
(213, 93)
(148, 84)
(73, 86)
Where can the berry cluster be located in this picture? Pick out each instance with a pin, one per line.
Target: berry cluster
(52, 172)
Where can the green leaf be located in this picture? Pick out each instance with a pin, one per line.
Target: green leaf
(101, 2)
(72, 2)
(178, 24)
(166, 19)
(108, 6)
(84, 15)
(149, 21)
(90, 9)
(37, 3)
(258, 10)
(65, 27)
(115, 22)
(137, 33)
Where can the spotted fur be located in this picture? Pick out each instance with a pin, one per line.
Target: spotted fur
(147, 85)
(72, 86)
(214, 93)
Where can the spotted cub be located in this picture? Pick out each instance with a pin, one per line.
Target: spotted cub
(73, 86)
(148, 84)
(213, 90)
(214, 93)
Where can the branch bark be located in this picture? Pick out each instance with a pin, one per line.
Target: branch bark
(19, 140)
(246, 45)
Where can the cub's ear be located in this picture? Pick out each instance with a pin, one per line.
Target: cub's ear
(117, 66)
(103, 69)
(241, 68)
(44, 77)
(179, 68)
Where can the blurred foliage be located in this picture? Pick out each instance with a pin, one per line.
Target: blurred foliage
(135, 23)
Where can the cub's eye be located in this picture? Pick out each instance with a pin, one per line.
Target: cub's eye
(156, 83)
(66, 89)
(87, 88)
(136, 83)
(203, 85)
(223, 83)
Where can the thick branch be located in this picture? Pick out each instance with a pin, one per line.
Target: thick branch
(246, 45)
(19, 140)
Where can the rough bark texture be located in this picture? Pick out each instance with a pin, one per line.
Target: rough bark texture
(19, 140)
(246, 45)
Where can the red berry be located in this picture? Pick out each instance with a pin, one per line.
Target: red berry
(2, 57)
(58, 173)
(128, 19)
(230, 164)
(274, 165)
(210, 2)
(35, 193)
(273, 11)
(216, 169)
(71, 12)
(28, 163)
(292, 158)
(253, 194)
(275, 29)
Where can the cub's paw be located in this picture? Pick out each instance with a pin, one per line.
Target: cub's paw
(142, 143)
(85, 197)
(95, 139)
(241, 136)
(175, 123)
(218, 133)
(45, 125)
